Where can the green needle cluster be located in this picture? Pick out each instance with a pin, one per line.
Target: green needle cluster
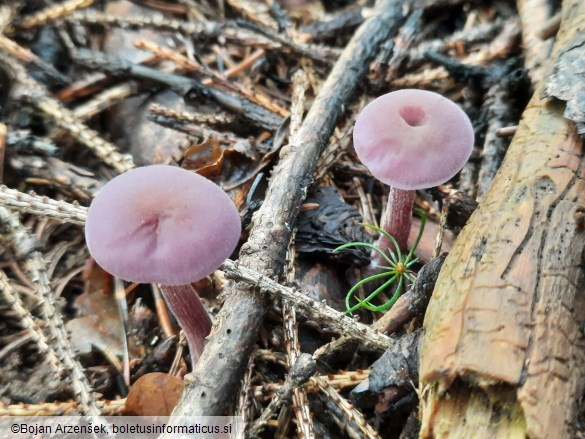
(397, 270)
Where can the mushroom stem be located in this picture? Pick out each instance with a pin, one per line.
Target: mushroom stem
(397, 222)
(186, 306)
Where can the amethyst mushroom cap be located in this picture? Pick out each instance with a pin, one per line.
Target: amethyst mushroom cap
(163, 224)
(411, 139)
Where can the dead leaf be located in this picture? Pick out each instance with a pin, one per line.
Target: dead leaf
(222, 164)
(205, 158)
(154, 394)
(99, 324)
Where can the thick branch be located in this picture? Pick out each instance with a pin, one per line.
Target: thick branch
(219, 370)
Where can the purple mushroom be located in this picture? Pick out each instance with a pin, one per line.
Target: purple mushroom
(411, 139)
(163, 224)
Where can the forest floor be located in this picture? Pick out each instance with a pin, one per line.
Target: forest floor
(260, 97)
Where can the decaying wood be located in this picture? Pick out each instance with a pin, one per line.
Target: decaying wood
(316, 53)
(219, 370)
(395, 373)
(500, 111)
(482, 33)
(565, 80)
(536, 51)
(461, 206)
(32, 61)
(498, 404)
(504, 343)
(336, 24)
(472, 65)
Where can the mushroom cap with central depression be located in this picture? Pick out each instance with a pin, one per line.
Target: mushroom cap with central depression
(413, 139)
(162, 224)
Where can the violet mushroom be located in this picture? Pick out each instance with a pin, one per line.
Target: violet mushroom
(410, 139)
(163, 224)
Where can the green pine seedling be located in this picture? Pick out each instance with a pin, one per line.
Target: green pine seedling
(397, 269)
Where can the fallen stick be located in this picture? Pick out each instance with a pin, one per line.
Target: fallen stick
(330, 319)
(212, 385)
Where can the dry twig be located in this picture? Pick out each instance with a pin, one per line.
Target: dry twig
(25, 247)
(301, 371)
(352, 414)
(42, 206)
(36, 95)
(9, 297)
(291, 335)
(63, 408)
(53, 12)
(265, 250)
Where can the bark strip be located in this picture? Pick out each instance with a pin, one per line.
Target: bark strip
(504, 345)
